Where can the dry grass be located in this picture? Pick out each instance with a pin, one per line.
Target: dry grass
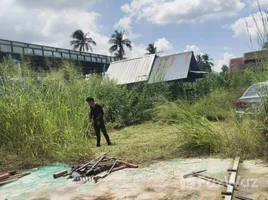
(143, 143)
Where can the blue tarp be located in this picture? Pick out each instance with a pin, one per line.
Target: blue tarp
(40, 181)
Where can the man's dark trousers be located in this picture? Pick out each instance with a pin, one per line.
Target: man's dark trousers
(101, 128)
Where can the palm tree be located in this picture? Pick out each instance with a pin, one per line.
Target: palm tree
(225, 69)
(199, 58)
(265, 45)
(204, 62)
(208, 64)
(151, 49)
(118, 42)
(81, 41)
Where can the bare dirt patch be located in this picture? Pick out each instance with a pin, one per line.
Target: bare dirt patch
(160, 181)
(253, 180)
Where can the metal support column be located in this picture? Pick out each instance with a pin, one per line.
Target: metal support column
(104, 69)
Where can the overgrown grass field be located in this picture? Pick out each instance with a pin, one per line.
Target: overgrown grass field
(43, 117)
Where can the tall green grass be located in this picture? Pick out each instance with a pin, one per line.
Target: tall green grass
(200, 136)
(43, 114)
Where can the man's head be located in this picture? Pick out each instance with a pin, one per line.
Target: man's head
(90, 101)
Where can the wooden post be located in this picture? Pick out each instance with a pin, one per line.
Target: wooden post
(230, 188)
(60, 174)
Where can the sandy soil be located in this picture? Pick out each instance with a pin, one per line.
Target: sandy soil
(162, 180)
(253, 180)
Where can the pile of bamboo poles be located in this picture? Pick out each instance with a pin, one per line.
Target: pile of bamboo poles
(93, 168)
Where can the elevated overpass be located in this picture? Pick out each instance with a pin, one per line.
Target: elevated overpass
(39, 55)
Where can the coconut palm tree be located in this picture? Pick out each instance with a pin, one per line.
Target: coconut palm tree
(204, 62)
(81, 41)
(151, 49)
(118, 42)
(208, 62)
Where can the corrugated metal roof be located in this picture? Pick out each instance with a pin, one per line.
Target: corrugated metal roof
(131, 70)
(172, 67)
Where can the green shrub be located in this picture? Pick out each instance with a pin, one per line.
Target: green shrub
(243, 138)
(199, 136)
(173, 112)
(217, 105)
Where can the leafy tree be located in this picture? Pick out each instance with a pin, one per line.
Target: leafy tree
(265, 45)
(81, 41)
(151, 49)
(118, 42)
(225, 68)
(204, 62)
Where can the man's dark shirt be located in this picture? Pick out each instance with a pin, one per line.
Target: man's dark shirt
(94, 112)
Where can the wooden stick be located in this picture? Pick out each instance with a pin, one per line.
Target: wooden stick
(4, 176)
(59, 174)
(231, 186)
(91, 161)
(118, 168)
(128, 164)
(10, 180)
(88, 171)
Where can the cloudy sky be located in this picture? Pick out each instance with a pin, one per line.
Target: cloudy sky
(216, 27)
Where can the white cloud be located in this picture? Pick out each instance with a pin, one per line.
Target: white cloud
(124, 24)
(163, 46)
(224, 61)
(255, 4)
(125, 8)
(193, 48)
(177, 11)
(49, 26)
(46, 24)
(240, 28)
(227, 48)
(137, 51)
(225, 26)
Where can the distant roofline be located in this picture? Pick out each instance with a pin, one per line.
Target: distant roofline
(255, 51)
(175, 54)
(129, 59)
(243, 58)
(147, 55)
(53, 47)
(237, 58)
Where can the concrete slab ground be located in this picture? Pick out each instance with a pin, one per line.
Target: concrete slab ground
(159, 181)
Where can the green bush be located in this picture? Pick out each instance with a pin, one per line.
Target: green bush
(199, 136)
(173, 112)
(245, 138)
(217, 105)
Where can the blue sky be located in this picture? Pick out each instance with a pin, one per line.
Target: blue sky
(213, 36)
(216, 27)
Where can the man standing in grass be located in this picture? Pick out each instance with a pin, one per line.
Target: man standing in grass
(96, 115)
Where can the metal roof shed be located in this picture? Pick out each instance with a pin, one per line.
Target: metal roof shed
(182, 66)
(131, 70)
